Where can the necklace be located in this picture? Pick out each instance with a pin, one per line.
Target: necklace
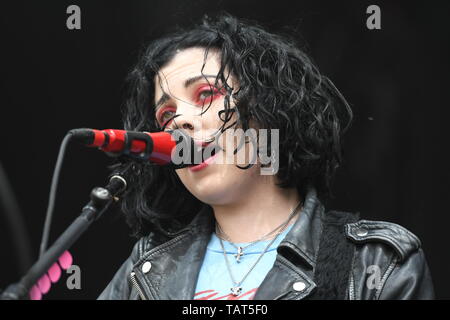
(240, 249)
(237, 289)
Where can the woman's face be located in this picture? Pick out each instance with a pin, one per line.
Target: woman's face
(182, 89)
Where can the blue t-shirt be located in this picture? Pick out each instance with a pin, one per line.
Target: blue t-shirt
(214, 281)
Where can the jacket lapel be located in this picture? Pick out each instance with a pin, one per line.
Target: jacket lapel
(175, 264)
(291, 277)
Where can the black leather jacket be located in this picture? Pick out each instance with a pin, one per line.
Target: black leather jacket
(388, 262)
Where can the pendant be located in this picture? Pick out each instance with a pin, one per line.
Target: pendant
(235, 291)
(239, 254)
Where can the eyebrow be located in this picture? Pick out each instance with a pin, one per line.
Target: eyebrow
(187, 83)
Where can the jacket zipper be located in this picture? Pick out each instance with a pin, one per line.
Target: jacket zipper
(135, 283)
(384, 278)
(351, 289)
(133, 279)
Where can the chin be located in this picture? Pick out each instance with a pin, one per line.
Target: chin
(219, 184)
(209, 186)
(209, 189)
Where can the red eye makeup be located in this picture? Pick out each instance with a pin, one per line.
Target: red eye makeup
(206, 93)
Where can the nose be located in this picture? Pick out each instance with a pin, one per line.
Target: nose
(192, 125)
(185, 122)
(190, 121)
(186, 119)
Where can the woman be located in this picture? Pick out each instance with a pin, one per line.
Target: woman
(234, 228)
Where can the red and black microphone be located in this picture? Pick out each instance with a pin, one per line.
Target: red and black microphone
(156, 147)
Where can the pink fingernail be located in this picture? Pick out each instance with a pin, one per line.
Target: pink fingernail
(65, 260)
(35, 293)
(44, 284)
(54, 273)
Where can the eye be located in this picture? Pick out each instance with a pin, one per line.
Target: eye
(206, 94)
(165, 115)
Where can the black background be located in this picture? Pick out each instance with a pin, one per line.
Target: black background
(54, 79)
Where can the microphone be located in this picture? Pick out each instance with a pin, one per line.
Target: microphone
(156, 147)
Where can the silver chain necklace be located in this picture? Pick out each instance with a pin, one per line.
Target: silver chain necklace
(236, 289)
(240, 249)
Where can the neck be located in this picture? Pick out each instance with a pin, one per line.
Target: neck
(257, 212)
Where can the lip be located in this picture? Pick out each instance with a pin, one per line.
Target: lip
(204, 164)
(202, 143)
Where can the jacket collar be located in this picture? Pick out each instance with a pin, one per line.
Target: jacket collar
(292, 275)
(304, 237)
(175, 264)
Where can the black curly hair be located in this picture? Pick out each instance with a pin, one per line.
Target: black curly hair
(279, 88)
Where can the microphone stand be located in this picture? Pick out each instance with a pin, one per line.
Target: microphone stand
(101, 198)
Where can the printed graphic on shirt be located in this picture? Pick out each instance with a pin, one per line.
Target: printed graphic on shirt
(214, 295)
